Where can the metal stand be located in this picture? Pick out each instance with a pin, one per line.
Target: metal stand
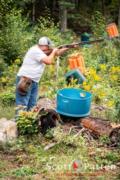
(57, 67)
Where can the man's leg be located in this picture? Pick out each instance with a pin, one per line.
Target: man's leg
(21, 101)
(33, 96)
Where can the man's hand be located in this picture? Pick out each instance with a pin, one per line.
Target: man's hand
(55, 51)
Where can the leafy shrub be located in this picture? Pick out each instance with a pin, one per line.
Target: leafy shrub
(102, 53)
(117, 107)
(98, 24)
(16, 36)
(2, 66)
(27, 123)
(7, 98)
(8, 76)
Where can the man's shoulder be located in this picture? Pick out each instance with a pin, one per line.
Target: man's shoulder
(35, 49)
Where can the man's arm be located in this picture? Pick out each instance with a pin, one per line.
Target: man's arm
(49, 59)
(55, 52)
(61, 51)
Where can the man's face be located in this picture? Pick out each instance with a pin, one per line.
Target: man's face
(44, 48)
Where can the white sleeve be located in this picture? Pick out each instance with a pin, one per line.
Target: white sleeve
(39, 56)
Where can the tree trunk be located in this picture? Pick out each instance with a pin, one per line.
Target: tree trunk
(63, 18)
(103, 7)
(77, 4)
(54, 5)
(33, 11)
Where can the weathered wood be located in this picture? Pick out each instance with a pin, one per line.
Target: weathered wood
(97, 126)
(102, 127)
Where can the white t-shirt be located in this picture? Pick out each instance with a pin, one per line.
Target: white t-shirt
(32, 66)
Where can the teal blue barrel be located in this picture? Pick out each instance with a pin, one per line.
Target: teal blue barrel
(73, 102)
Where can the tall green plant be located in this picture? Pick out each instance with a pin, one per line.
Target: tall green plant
(15, 37)
(98, 24)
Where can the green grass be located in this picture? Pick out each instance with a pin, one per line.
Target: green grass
(27, 158)
(7, 112)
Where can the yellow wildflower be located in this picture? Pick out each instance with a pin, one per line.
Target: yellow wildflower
(17, 61)
(101, 93)
(114, 77)
(52, 69)
(115, 69)
(3, 79)
(110, 103)
(86, 87)
(92, 71)
(84, 83)
(103, 67)
(96, 77)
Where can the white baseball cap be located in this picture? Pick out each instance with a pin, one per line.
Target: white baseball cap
(45, 41)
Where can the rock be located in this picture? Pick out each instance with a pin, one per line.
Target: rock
(46, 103)
(2, 137)
(8, 130)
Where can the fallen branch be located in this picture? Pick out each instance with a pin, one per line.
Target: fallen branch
(49, 146)
(79, 132)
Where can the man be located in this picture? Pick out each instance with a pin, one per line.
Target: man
(35, 60)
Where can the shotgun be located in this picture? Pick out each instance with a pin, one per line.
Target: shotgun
(112, 33)
(74, 45)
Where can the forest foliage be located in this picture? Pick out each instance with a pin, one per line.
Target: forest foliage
(22, 23)
(22, 26)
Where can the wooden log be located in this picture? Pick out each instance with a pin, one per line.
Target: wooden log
(102, 127)
(97, 126)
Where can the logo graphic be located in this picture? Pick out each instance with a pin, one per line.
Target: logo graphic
(76, 165)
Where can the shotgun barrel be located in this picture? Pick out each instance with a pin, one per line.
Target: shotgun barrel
(74, 45)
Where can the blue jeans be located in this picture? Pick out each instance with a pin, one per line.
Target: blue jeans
(30, 99)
